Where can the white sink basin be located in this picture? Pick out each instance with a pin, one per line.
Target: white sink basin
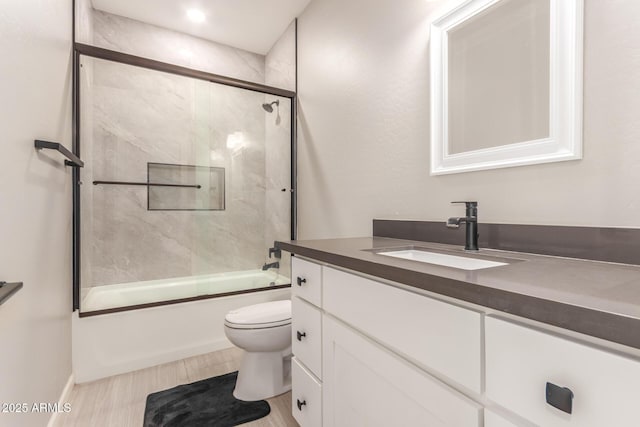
(463, 263)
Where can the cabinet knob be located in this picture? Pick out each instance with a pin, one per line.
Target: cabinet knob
(301, 404)
(300, 335)
(559, 397)
(301, 280)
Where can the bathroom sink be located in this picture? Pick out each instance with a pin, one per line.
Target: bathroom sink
(455, 261)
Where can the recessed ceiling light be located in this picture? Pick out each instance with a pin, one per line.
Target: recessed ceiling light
(195, 15)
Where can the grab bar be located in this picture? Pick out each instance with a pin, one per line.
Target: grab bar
(73, 159)
(146, 184)
(7, 290)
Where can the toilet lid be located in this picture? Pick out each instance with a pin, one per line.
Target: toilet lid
(265, 315)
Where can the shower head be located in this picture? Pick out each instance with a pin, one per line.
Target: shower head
(269, 107)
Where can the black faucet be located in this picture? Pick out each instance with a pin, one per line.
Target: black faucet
(272, 265)
(471, 221)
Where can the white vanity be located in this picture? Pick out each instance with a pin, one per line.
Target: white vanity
(368, 352)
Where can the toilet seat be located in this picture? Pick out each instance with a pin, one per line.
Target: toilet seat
(260, 316)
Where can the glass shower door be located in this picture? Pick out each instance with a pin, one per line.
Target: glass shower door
(186, 186)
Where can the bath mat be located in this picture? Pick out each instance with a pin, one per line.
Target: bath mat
(205, 403)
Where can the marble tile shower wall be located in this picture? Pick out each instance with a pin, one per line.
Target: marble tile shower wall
(137, 38)
(139, 116)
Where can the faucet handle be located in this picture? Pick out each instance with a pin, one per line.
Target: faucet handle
(275, 251)
(469, 204)
(471, 208)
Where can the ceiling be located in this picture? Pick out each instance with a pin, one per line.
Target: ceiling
(253, 25)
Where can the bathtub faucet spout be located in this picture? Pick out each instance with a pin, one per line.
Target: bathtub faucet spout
(272, 265)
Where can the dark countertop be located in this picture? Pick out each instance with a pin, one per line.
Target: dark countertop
(600, 299)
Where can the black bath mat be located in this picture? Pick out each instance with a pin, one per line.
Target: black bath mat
(205, 403)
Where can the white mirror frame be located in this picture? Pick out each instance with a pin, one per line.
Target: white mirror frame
(565, 86)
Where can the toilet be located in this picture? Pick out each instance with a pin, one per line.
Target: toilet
(263, 331)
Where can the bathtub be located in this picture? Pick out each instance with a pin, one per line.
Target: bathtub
(180, 288)
(123, 341)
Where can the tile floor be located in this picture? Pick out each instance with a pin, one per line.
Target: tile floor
(119, 401)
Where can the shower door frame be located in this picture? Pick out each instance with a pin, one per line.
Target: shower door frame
(138, 61)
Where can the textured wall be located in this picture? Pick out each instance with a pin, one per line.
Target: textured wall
(364, 126)
(35, 205)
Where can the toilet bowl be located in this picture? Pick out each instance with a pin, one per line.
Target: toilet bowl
(263, 331)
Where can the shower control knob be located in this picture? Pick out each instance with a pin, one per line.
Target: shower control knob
(301, 335)
(300, 404)
(301, 280)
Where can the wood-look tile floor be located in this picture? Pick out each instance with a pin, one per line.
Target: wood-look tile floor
(119, 401)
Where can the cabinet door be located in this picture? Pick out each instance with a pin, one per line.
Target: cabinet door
(367, 385)
(521, 361)
(439, 336)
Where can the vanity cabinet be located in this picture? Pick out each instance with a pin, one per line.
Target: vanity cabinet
(363, 351)
(371, 353)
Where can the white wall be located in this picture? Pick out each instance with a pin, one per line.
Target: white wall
(364, 126)
(35, 204)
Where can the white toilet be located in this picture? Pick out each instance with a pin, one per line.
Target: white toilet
(263, 331)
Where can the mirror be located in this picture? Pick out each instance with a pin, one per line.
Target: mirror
(506, 84)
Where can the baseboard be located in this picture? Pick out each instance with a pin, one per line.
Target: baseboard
(64, 398)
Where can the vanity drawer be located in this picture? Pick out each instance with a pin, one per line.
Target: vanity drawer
(520, 361)
(306, 280)
(306, 327)
(439, 336)
(306, 396)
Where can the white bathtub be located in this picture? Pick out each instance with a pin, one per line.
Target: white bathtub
(125, 341)
(151, 291)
